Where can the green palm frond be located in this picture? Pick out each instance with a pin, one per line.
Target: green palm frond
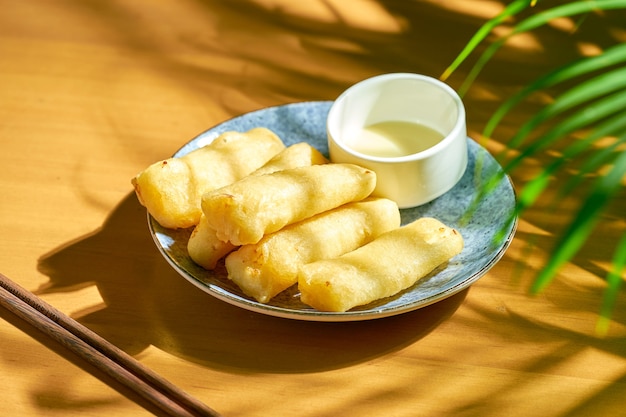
(533, 22)
(534, 188)
(582, 225)
(577, 234)
(484, 31)
(584, 117)
(615, 55)
(600, 157)
(614, 280)
(594, 105)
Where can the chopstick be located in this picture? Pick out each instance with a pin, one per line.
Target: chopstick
(99, 352)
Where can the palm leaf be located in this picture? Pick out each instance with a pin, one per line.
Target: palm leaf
(534, 188)
(533, 22)
(594, 105)
(614, 280)
(484, 31)
(610, 57)
(601, 109)
(582, 225)
(580, 119)
(599, 158)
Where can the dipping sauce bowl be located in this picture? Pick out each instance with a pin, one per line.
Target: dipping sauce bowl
(408, 128)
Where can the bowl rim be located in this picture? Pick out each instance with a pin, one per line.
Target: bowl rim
(459, 129)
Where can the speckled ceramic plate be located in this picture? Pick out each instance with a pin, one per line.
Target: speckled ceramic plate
(307, 122)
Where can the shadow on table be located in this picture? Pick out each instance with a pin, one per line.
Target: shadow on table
(147, 303)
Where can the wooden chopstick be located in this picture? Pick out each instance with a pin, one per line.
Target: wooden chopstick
(99, 352)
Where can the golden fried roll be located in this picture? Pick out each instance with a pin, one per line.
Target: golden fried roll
(298, 155)
(243, 212)
(204, 247)
(265, 269)
(171, 189)
(389, 264)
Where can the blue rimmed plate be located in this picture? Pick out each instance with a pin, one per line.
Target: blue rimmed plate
(307, 122)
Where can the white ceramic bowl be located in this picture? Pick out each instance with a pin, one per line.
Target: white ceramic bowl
(419, 168)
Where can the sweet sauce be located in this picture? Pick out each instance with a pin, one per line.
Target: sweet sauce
(394, 138)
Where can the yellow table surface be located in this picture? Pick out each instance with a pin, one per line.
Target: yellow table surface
(91, 92)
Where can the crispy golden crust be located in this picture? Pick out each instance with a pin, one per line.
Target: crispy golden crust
(265, 269)
(243, 212)
(391, 263)
(171, 189)
(204, 247)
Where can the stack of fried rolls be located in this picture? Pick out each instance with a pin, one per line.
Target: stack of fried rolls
(282, 216)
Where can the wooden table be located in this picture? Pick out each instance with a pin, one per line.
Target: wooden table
(93, 92)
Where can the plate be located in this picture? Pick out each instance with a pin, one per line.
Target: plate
(307, 122)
